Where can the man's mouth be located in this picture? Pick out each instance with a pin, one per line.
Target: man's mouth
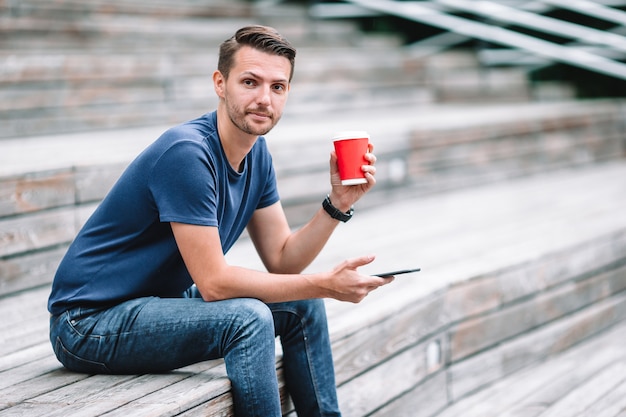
(260, 115)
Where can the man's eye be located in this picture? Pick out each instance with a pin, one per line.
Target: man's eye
(279, 87)
(248, 82)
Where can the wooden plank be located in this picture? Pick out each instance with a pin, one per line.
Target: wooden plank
(485, 368)
(611, 405)
(73, 9)
(479, 163)
(30, 370)
(530, 391)
(23, 306)
(23, 328)
(25, 355)
(93, 182)
(479, 333)
(121, 32)
(34, 98)
(77, 67)
(88, 69)
(180, 396)
(26, 334)
(425, 400)
(387, 338)
(93, 118)
(405, 291)
(36, 191)
(37, 231)
(106, 393)
(579, 399)
(22, 272)
(381, 384)
(499, 217)
(16, 395)
(222, 406)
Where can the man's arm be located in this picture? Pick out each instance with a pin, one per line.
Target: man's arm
(217, 280)
(284, 251)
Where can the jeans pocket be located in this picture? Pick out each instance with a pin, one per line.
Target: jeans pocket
(76, 363)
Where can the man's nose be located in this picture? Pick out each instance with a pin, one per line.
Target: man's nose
(264, 95)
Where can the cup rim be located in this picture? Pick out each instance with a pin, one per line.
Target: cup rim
(351, 134)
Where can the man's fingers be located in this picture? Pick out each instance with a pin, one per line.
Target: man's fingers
(355, 263)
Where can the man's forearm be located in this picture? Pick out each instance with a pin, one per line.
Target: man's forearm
(303, 246)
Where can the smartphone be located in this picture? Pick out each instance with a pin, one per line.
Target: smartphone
(394, 273)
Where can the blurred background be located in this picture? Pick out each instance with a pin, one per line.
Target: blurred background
(78, 65)
(453, 92)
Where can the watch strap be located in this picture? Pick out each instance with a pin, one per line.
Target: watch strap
(334, 212)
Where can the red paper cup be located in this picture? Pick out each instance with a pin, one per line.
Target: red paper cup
(351, 147)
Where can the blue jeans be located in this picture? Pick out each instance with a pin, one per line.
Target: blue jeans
(150, 335)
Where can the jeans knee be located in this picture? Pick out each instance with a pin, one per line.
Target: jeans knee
(310, 311)
(308, 315)
(256, 317)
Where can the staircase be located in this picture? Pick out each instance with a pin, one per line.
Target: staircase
(583, 34)
(72, 66)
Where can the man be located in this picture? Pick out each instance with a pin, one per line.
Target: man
(145, 286)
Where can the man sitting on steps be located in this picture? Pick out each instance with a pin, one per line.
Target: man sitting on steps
(145, 286)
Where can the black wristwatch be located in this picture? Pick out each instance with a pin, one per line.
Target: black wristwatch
(335, 213)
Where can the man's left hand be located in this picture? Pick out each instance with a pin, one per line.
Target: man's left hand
(344, 196)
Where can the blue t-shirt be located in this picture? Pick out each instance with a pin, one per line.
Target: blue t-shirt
(127, 249)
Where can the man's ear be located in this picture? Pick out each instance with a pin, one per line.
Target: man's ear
(218, 83)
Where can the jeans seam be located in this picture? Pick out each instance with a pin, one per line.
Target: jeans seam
(243, 358)
(314, 380)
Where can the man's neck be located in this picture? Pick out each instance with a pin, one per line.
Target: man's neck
(236, 143)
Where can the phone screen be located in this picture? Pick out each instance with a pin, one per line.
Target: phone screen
(399, 272)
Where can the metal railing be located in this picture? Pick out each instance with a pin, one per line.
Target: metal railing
(593, 49)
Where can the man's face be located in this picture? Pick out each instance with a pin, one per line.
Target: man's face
(256, 90)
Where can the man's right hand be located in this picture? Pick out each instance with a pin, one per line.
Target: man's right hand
(345, 283)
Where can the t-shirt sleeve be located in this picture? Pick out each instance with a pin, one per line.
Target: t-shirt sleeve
(183, 185)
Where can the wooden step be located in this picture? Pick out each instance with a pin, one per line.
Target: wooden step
(67, 66)
(520, 300)
(506, 284)
(586, 380)
(72, 9)
(120, 82)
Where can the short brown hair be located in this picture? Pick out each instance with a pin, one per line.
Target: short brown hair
(262, 38)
